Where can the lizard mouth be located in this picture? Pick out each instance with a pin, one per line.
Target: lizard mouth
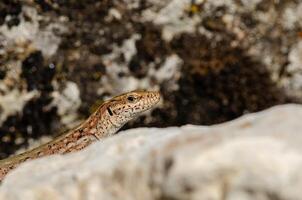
(148, 100)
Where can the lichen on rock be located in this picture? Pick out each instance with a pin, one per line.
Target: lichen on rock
(212, 60)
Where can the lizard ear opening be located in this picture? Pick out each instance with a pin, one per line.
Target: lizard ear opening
(109, 111)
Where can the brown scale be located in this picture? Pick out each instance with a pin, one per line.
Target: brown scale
(104, 122)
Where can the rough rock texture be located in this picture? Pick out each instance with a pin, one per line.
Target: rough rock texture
(213, 60)
(256, 157)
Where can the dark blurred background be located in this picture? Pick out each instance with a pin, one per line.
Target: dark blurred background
(213, 61)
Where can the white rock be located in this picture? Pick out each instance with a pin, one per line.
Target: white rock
(171, 15)
(29, 31)
(258, 156)
(68, 102)
(19, 99)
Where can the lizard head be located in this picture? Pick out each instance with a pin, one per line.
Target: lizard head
(127, 106)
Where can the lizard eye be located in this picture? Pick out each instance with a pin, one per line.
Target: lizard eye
(131, 98)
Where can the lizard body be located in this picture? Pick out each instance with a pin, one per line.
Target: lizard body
(104, 122)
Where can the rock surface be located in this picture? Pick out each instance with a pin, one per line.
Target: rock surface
(212, 60)
(256, 157)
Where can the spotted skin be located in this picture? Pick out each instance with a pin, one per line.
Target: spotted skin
(104, 122)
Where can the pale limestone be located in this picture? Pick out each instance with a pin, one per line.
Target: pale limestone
(258, 156)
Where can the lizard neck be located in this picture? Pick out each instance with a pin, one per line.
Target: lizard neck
(97, 126)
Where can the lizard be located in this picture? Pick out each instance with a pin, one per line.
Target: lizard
(108, 118)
